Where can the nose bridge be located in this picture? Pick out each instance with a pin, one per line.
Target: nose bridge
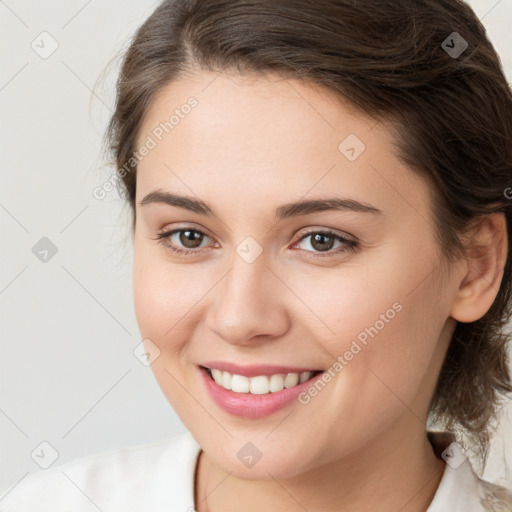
(243, 307)
(244, 286)
(246, 278)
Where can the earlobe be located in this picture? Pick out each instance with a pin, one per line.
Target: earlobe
(485, 260)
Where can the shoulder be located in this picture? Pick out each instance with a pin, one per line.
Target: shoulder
(461, 489)
(152, 476)
(495, 498)
(470, 493)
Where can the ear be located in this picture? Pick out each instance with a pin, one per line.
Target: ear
(486, 255)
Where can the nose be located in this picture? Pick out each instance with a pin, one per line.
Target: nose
(249, 304)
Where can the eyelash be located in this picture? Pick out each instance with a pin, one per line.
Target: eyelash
(350, 245)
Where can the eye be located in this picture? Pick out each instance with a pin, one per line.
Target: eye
(323, 241)
(190, 238)
(189, 241)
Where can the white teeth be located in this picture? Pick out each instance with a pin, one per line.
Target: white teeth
(226, 380)
(304, 376)
(292, 379)
(217, 375)
(260, 385)
(276, 383)
(239, 383)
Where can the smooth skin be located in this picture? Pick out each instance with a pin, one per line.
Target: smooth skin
(250, 146)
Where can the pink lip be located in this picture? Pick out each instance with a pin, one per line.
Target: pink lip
(254, 370)
(248, 405)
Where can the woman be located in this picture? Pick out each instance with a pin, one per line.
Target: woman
(322, 266)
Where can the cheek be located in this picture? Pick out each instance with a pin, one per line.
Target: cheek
(383, 323)
(164, 294)
(163, 302)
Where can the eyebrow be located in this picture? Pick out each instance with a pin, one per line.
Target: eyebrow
(285, 211)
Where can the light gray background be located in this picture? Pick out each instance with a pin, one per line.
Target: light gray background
(68, 328)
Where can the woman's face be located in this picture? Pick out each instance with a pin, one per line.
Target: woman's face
(264, 286)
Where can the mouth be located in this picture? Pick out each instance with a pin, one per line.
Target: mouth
(256, 391)
(259, 384)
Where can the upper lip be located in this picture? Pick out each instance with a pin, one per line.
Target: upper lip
(255, 369)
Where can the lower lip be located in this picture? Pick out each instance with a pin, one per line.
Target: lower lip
(248, 405)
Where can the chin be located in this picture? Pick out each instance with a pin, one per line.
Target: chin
(259, 460)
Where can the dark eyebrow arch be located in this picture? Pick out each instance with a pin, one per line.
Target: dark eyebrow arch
(285, 211)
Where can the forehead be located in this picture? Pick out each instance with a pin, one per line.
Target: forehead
(282, 136)
(260, 107)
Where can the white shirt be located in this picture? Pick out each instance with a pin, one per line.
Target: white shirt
(159, 477)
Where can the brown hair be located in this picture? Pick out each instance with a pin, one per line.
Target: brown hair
(390, 58)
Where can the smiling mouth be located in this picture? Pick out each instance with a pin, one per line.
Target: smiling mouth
(261, 384)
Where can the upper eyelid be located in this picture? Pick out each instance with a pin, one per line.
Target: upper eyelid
(351, 244)
(174, 230)
(330, 231)
(303, 233)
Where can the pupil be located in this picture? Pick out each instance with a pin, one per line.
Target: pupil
(190, 236)
(320, 237)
